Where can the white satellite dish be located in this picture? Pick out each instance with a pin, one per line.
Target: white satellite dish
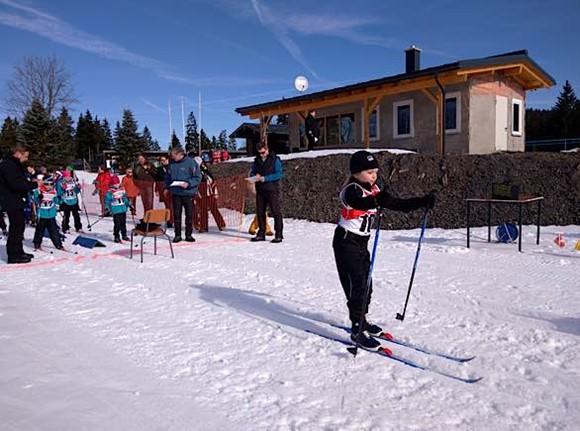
(301, 83)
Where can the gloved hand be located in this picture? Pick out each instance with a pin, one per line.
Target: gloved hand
(430, 200)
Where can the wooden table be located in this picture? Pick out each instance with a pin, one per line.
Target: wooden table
(524, 200)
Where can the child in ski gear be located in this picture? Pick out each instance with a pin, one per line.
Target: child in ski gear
(361, 198)
(101, 186)
(267, 168)
(68, 191)
(46, 200)
(131, 189)
(116, 203)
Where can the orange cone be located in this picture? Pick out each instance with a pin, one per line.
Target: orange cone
(559, 240)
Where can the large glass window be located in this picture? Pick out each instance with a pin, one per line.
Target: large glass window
(338, 130)
(374, 125)
(452, 112)
(403, 119)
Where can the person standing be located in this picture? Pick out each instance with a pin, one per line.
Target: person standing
(14, 189)
(312, 130)
(128, 183)
(267, 171)
(101, 184)
(361, 199)
(182, 181)
(68, 191)
(47, 199)
(164, 197)
(144, 175)
(117, 202)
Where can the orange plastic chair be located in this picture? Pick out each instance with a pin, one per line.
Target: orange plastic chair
(159, 216)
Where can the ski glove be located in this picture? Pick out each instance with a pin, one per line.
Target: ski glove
(429, 200)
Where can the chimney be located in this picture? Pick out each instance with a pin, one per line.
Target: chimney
(412, 59)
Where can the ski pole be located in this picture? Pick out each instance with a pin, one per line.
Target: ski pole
(98, 220)
(85, 208)
(354, 350)
(423, 225)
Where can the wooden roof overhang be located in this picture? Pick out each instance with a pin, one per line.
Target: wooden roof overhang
(516, 65)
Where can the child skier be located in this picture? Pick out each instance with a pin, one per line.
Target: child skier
(68, 190)
(116, 203)
(361, 198)
(46, 199)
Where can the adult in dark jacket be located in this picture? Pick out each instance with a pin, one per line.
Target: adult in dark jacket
(182, 180)
(267, 171)
(312, 129)
(14, 189)
(144, 176)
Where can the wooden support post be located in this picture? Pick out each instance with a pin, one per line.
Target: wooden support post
(366, 115)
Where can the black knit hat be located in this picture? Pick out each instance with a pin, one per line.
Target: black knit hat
(362, 161)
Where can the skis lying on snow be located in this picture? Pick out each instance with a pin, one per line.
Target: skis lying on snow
(385, 336)
(387, 353)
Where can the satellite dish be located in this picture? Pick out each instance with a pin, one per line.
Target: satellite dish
(301, 83)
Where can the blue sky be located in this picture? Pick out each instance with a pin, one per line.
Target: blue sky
(141, 54)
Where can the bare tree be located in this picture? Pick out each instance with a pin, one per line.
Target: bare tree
(41, 78)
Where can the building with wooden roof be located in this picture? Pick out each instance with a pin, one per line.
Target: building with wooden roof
(479, 103)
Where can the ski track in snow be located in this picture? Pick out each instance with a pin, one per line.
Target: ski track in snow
(239, 329)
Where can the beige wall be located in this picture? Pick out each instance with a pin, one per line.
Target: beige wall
(477, 124)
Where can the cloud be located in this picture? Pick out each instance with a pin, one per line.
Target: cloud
(29, 19)
(280, 32)
(150, 104)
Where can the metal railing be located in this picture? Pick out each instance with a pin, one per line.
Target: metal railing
(553, 144)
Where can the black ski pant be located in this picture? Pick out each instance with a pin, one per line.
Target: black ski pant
(353, 263)
(67, 210)
(270, 199)
(49, 224)
(179, 203)
(120, 225)
(3, 226)
(16, 227)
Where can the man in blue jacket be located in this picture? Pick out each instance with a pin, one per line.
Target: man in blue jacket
(182, 180)
(267, 170)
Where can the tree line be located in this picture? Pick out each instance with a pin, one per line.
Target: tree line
(36, 91)
(562, 121)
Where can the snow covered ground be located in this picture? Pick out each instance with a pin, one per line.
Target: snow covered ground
(233, 335)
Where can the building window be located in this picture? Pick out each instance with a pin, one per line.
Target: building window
(517, 117)
(338, 130)
(403, 119)
(374, 134)
(453, 113)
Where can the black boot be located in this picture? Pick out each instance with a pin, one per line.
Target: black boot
(372, 329)
(363, 339)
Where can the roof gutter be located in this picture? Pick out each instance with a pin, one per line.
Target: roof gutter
(442, 114)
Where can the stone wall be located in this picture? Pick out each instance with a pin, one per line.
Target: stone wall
(311, 185)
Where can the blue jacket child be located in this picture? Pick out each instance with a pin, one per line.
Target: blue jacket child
(117, 203)
(46, 199)
(68, 191)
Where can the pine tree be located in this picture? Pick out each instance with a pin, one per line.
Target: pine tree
(149, 143)
(128, 142)
(36, 131)
(222, 140)
(85, 137)
(205, 142)
(9, 135)
(567, 112)
(191, 134)
(62, 140)
(109, 143)
(232, 144)
(175, 143)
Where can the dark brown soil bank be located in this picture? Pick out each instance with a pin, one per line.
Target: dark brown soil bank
(311, 185)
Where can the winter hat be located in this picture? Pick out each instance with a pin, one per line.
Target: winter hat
(362, 161)
(66, 174)
(70, 168)
(114, 180)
